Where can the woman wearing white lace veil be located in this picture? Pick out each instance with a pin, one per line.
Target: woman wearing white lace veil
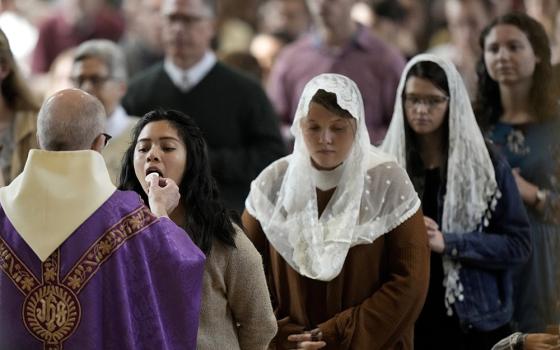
(339, 226)
(477, 226)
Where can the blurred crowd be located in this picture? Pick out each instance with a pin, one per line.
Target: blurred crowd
(249, 34)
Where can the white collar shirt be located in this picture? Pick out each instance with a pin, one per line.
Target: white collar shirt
(186, 79)
(117, 122)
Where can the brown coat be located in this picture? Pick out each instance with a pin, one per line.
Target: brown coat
(372, 304)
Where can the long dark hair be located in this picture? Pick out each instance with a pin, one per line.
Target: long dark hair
(543, 93)
(207, 217)
(432, 72)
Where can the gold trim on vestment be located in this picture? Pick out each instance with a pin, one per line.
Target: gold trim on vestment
(51, 311)
(105, 246)
(16, 270)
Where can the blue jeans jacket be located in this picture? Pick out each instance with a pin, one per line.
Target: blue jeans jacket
(488, 256)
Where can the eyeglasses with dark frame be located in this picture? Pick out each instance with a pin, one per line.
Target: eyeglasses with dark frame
(430, 101)
(107, 138)
(95, 80)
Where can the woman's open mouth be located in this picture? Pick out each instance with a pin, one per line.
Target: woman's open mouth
(154, 170)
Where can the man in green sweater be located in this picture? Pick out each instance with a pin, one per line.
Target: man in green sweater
(231, 109)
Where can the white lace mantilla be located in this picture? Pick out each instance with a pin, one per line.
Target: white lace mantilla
(471, 181)
(373, 196)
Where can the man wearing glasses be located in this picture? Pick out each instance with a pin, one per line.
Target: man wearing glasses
(83, 265)
(99, 68)
(232, 110)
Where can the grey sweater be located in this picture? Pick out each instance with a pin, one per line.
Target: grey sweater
(236, 311)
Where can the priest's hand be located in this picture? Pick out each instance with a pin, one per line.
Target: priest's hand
(435, 237)
(309, 340)
(163, 195)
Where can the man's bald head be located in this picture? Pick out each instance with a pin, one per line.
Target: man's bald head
(70, 120)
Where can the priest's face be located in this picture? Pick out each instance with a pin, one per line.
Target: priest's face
(328, 137)
(159, 149)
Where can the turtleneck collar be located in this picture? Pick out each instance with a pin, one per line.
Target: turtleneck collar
(327, 179)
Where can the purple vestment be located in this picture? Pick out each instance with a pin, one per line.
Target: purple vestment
(123, 280)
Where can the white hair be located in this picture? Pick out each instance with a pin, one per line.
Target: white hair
(70, 120)
(106, 51)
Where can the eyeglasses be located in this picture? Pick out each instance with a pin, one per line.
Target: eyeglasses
(187, 21)
(430, 101)
(107, 138)
(95, 80)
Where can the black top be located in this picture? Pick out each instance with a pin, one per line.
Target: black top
(434, 306)
(433, 325)
(234, 115)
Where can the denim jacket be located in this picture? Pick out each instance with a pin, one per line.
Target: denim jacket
(489, 254)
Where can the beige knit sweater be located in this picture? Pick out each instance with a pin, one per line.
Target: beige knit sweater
(236, 311)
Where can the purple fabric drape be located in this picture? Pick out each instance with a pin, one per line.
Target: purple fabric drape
(123, 280)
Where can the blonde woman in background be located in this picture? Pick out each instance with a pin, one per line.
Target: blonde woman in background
(18, 115)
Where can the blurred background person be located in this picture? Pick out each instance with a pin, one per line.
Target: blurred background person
(547, 13)
(99, 68)
(280, 22)
(362, 13)
(18, 115)
(420, 20)
(233, 111)
(70, 23)
(465, 21)
(288, 17)
(337, 44)
(58, 76)
(142, 42)
(501, 7)
(244, 62)
(517, 106)
(544, 11)
(19, 30)
(233, 35)
(266, 48)
(243, 10)
(389, 23)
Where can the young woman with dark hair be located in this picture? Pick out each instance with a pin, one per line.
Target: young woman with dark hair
(529, 49)
(414, 163)
(517, 106)
(477, 226)
(168, 157)
(200, 208)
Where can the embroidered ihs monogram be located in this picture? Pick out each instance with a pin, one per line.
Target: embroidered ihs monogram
(51, 310)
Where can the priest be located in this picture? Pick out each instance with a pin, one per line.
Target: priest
(83, 265)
